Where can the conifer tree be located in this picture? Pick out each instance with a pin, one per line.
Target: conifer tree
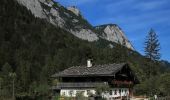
(152, 46)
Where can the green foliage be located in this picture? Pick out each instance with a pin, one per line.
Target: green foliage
(164, 84)
(55, 82)
(6, 69)
(24, 74)
(35, 50)
(158, 85)
(6, 80)
(152, 46)
(165, 66)
(39, 89)
(43, 89)
(33, 88)
(80, 96)
(57, 97)
(102, 88)
(149, 87)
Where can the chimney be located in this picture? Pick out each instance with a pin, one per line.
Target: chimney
(89, 64)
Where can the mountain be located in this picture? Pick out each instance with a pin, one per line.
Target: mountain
(35, 49)
(71, 19)
(114, 33)
(75, 10)
(60, 16)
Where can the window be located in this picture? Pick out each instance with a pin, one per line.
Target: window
(115, 92)
(63, 94)
(88, 92)
(71, 92)
(122, 90)
(110, 92)
(119, 91)
(125, 91)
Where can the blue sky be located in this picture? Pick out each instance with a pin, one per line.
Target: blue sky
(135, 17)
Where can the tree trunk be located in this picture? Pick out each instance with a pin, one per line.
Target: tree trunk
(13, 88)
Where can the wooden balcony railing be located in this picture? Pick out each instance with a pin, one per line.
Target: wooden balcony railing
(79, 85)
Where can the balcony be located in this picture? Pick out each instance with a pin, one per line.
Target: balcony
(79, 85)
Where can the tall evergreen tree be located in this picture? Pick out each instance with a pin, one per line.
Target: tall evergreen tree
(152, 46)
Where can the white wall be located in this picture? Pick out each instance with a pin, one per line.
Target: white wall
(73, 92)
(124, 92)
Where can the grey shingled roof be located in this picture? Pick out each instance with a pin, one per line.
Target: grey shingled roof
(96, 70)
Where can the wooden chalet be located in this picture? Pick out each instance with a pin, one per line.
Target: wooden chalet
(85, 79)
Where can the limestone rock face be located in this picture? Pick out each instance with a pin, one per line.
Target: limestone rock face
(74, 10)
(34, 6)
(85, 34)
(55, 18)
(66, 18)
(112, 32)
(71, 20)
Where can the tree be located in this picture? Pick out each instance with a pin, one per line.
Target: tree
(13, 76)
(1, 80)
(152, 46)
(6, 69)
(5, 83)
(101, 88)
(164, 84)
(23, 72)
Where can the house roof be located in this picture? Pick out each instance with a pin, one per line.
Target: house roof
(96, 70)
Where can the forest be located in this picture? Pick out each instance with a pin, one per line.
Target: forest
(31, 50)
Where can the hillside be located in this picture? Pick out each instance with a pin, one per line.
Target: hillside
(35, 49)
(71, 20)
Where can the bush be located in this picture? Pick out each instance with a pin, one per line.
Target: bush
(80, 96)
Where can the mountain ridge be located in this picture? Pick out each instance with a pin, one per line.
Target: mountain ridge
(35, 49)
(112, 32)
(70, 19)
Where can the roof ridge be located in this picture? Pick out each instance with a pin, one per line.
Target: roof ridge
(105, 69)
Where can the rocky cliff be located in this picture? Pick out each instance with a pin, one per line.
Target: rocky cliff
(71, 20)
(114, 33)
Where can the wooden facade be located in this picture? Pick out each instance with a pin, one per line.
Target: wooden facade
(119, 77)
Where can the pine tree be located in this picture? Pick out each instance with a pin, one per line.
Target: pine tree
(6, 84)
(152, 46)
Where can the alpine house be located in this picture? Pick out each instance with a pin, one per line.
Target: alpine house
(85, 79)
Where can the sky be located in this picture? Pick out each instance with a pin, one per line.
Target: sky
(135, 17)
